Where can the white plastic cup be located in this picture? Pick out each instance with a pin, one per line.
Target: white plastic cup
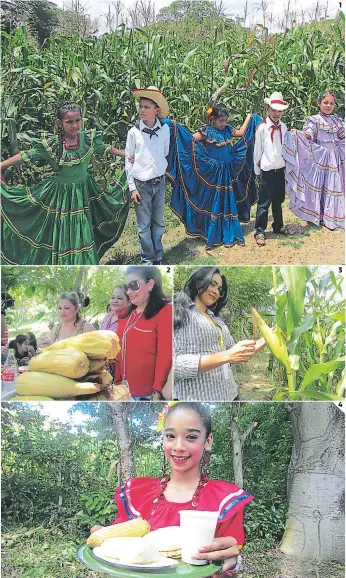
(198, 530)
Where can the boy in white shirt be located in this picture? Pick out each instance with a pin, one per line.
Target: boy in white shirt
(148, 144)
(270, 166)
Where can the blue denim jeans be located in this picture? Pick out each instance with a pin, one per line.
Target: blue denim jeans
(149, 214)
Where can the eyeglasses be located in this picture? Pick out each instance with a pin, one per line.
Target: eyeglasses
(133, 285)
(220, 289)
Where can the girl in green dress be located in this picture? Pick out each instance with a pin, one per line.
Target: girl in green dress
(68, 218)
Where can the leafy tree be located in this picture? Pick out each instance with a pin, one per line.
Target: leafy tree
(181, 9)
(42, 16)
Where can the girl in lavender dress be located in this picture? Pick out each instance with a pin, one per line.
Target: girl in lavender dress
(315, 166)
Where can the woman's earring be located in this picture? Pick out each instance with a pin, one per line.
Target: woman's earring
(164, 467)
(205, 465)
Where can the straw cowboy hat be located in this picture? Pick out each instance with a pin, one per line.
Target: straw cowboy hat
(276, 101)
(154, 94)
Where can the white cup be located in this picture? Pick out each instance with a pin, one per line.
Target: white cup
(198, 530)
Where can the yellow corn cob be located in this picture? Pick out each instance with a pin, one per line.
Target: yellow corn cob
(96, 365)
(137, 527)
(67, 362)
(274, 340)
(31, 398)
(106, 377)
(57, 386)
(96, 344)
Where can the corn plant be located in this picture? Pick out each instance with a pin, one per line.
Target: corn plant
(309, 336)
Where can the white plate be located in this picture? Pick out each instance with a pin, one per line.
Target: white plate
(162, 562)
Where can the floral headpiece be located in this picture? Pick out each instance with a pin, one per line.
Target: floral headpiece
(209, 111)
(162, 416)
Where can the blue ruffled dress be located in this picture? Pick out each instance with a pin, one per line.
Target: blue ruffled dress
(213, 181)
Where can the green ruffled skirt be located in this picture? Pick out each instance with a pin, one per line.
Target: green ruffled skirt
(62, 223)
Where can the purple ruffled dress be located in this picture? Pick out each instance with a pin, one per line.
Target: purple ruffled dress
(315, 171)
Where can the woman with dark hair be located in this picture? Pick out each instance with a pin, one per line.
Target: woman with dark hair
(145, 333)
(20, 345)
(203, 346)
(32, 347)
(118, 301)
(68, 218)
(72, 323)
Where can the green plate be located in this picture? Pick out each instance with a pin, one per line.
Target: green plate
(86, 556)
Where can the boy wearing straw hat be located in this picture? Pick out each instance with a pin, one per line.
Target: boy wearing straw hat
(270, 167)
(148, 144)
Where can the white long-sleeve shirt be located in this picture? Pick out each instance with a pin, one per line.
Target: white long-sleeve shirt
(268, 152)
(149, 153)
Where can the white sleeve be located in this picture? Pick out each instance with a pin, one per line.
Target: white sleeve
(258, 151)
(167, 141)
(130, 152)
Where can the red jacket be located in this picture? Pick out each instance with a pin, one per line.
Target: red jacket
(148, 357)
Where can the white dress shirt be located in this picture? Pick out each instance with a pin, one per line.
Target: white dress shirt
(149, 153)
(267, 153)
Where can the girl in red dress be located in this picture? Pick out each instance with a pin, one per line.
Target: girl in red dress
(187, 442)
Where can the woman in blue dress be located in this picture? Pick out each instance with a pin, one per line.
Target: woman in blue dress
(212, 177)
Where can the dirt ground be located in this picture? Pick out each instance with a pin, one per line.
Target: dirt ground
(304, 245)
(274, 564)
(252, 378)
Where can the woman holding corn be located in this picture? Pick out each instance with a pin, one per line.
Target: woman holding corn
(203, 347)
(72, 323)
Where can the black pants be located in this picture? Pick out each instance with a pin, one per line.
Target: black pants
(271, 192)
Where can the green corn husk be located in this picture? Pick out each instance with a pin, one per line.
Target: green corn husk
(274, 340)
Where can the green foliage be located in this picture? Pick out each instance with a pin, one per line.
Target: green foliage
(310, 311)
(36, 290)
(64, 479)
(247, 286)
(99, 74)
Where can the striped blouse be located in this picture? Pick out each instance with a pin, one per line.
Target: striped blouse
(197, 337)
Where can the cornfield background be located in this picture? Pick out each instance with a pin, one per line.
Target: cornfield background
(188, 66)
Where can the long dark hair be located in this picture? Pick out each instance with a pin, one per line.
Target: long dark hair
(197, 283)
(203, 412)
(64, 108)
(219, 110)
(32, 340)
(157, 298)
(14, 345)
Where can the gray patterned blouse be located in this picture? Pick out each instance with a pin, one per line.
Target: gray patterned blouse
(197, 337)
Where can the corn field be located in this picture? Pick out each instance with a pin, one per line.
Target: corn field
(236, 65)
(309, 335)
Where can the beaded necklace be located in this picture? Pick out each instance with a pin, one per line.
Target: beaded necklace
(163, 486)
(73, 146)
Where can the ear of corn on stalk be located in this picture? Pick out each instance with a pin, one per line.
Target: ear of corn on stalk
(274, 340)
(95, 344)
(48, 384)
(67, 362)
(137, 527)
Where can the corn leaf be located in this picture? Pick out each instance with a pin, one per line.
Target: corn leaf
(317, 395)
(318, 369)
(308, 322)
(295, 280)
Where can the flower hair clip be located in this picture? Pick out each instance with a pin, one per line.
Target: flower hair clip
(209, 111)
(162, 415)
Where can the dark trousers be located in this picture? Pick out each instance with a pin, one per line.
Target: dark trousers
(271, 192)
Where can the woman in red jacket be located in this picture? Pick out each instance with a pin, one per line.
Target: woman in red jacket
(145, 333)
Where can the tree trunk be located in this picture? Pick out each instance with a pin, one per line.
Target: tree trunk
(237, 454)
(315, 520)
(119, 413)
